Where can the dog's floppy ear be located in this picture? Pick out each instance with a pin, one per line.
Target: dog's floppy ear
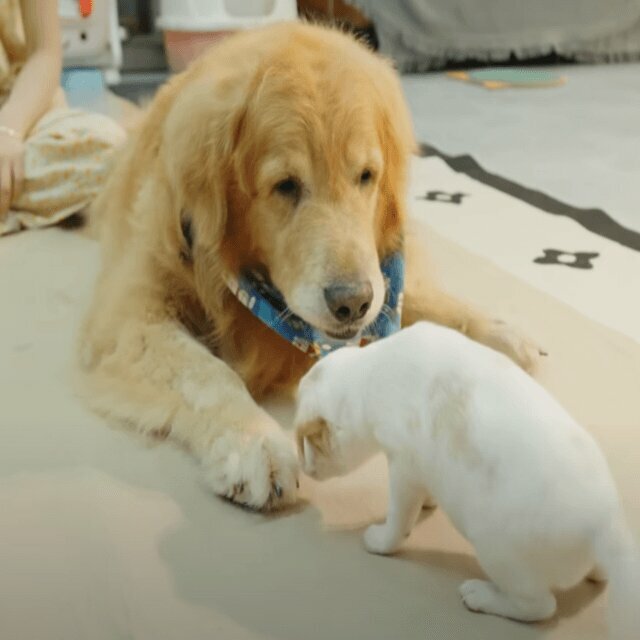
(199, 135)
(312, 437)
(398, 143)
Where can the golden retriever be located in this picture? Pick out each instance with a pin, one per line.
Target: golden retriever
(284, 148)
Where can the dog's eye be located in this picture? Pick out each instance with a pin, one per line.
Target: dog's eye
(290, 188)
(366, 177)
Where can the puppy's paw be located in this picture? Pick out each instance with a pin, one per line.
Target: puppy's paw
(255, 470)
(378, 540)
(478, 595)
(509, 340)
(485, 597)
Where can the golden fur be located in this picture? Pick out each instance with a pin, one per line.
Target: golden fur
(165, 348)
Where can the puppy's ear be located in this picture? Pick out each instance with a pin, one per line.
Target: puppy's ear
(313, 438)
(308, 456)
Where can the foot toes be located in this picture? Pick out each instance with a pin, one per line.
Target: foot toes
(510, 341)
(376, 540)
(485, 597)
(477, 594)
(259, 472)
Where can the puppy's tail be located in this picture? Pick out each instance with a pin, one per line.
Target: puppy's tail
(618, 554)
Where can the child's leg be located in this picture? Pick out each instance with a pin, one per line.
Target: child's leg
(66, 158)
(517, 591)
(406, 498)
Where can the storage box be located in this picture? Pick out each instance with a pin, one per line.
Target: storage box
(191, 26)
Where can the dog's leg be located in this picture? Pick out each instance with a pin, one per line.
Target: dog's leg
(424, 301)
(157, 379)
(438, 307)
(406, 498)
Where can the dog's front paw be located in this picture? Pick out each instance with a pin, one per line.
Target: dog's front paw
(256, 470)
(509, 340)
(378, 540)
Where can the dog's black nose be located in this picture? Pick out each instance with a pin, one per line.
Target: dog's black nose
(349, 301)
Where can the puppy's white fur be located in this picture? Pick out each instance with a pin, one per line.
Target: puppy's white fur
(463, 425)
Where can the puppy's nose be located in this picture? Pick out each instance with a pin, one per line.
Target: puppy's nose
(349, 301)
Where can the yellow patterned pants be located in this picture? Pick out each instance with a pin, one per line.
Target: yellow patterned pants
(66, 160)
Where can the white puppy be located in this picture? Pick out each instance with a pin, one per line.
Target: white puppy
(464, 426)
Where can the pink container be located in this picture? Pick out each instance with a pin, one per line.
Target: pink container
(191, 26)
(182, 47)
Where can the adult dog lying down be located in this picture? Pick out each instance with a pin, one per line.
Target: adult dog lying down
(286, 149)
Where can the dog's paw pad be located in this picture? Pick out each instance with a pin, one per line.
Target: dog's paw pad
(256, 471)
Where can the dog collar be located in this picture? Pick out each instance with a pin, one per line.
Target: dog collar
(265, 302)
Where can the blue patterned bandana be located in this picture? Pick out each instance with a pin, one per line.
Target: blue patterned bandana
(267, 303)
